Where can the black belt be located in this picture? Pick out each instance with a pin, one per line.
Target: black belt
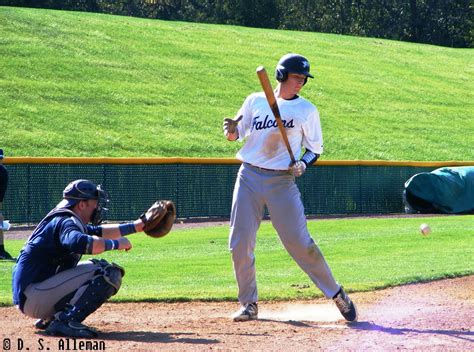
(262, 168)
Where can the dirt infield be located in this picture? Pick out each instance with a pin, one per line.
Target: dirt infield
(436, 316)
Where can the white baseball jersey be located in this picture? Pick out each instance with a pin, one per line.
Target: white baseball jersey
(264, 146)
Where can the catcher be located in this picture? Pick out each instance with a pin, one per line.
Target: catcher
(49, 281)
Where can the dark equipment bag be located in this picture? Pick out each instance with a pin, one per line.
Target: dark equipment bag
(447, 190)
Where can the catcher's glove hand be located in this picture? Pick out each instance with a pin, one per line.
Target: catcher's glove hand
(159, 219)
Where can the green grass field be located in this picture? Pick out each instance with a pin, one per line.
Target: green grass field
(364, 254)
(82, 84)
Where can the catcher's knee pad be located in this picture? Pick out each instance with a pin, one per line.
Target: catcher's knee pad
(113, 276)
(112, 273)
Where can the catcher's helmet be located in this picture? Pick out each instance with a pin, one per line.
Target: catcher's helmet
(292, 63)
(84, 190)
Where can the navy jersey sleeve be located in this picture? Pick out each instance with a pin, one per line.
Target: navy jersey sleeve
(94, 230)
(73, 239)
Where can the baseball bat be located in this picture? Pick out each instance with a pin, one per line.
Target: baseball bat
(267, 88)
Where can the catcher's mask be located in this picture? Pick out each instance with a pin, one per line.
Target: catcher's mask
(292, 63)
(84, 190)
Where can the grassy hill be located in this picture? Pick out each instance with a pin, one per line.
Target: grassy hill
(81, 84)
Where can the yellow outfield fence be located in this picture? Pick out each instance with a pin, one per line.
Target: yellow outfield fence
(225, 161)
(202, 187)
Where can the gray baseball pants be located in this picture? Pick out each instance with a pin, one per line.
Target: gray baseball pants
(41, 297)
(255, 188)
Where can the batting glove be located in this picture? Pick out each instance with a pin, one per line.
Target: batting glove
(230, 126)
(298, 168)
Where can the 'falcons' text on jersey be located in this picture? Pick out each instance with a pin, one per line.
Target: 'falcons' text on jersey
(258, 124)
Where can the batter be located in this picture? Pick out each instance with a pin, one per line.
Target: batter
(267, 177)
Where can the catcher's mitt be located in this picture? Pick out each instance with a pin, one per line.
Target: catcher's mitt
(159, 218)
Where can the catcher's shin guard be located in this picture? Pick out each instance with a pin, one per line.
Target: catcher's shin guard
(99, 290)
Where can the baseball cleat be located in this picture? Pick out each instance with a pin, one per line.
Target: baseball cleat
(70, 329)
(345, 305)
(248, 311)
(42, 324)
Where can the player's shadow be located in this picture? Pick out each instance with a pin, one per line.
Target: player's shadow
(370, 326)
(289, 322)
(148, 336)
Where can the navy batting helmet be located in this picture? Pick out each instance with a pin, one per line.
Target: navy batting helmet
(292, 63)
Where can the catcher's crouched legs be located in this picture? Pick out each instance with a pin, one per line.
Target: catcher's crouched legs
(86, 301)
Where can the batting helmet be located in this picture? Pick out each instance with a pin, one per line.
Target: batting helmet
(292, 63)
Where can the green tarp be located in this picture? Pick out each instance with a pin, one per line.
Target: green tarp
(447, 190)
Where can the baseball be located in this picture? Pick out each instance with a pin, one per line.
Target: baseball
(425, 229)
